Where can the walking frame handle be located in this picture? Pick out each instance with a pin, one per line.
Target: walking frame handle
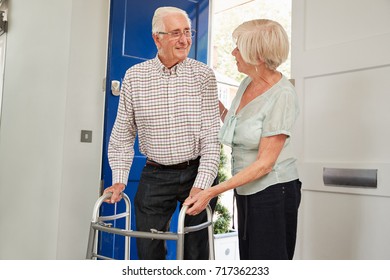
(98, 224)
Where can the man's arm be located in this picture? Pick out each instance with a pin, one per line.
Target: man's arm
(121, 144)
(210, 146)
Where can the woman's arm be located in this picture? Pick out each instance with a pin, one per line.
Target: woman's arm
(269, 150)
(222, 111)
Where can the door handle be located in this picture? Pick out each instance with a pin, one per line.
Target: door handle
(115, 87)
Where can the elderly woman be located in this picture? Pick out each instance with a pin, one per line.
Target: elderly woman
(258, 127)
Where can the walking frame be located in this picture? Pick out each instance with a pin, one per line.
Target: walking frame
(98, 224)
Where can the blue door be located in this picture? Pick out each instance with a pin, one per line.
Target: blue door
(130, 42)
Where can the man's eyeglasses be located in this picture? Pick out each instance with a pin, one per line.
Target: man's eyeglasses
(177, 34)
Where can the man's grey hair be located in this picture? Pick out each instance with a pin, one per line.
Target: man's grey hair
(161, 13)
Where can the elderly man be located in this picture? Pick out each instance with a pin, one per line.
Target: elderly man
(171, 101)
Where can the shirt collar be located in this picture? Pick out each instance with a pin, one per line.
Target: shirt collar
(174, 71)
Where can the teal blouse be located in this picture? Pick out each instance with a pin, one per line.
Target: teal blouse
(271, 113)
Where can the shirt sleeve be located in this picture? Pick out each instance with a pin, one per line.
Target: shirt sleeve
(210, 147)
(281, 115)
(121, 144)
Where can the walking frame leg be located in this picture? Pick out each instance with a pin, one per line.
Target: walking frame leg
(97, 220)
(182, 230)
(98, 225)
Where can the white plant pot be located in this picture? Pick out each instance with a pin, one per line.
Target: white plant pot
(226, 246)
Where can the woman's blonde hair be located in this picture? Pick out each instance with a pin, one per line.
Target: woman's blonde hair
(262, 40)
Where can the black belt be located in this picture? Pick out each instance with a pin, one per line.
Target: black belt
(179, 166)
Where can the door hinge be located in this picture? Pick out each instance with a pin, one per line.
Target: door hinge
(101, 188)
(104, 85)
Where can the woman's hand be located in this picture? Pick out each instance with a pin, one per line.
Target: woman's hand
(198, 202)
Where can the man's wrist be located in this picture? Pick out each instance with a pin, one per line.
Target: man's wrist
(121, 186)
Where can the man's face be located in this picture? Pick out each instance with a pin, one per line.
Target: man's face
(173, 50)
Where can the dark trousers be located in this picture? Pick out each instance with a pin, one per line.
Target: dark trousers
(267, 222)
(156, 199)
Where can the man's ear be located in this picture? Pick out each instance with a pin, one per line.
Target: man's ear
(157, 40)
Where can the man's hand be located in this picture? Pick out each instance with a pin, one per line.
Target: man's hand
(116, 191)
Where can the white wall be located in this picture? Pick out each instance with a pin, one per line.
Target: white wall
(49, 181)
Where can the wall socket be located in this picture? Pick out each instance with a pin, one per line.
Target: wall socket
(86, 136)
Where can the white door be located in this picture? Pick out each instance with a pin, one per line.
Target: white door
(341, 67)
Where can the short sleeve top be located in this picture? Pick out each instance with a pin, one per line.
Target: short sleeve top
(271, 113)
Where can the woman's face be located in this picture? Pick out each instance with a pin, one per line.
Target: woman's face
(242, 66)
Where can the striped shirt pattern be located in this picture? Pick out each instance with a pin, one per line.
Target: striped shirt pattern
(175, 113)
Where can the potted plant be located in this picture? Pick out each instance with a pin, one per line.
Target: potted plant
(225, 238)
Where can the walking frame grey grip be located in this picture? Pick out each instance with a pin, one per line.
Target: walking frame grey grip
(98, 224)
